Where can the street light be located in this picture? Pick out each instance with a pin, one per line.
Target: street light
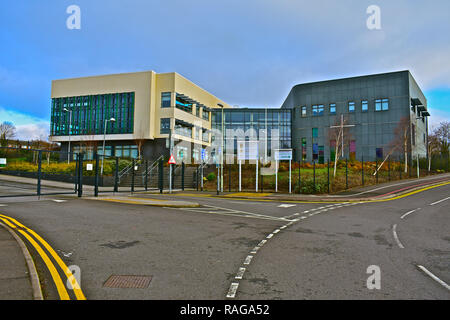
(221, 154)
(104, 138)
(70, 125)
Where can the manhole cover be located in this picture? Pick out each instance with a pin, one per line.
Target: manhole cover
(116, 281)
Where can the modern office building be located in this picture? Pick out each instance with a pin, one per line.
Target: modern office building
(270, 128)
(379, 112)
(139, 111)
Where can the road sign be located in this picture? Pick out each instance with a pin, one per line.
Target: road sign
(248, 153)
(203, 154)
(89, 167)
(2, 162)
(283, 154)
(172, 160)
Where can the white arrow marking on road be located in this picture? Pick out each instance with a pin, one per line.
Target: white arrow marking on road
(286, 205)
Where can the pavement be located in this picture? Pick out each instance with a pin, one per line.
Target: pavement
(15, 276)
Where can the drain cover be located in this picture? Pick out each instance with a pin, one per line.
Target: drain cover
(117, 281)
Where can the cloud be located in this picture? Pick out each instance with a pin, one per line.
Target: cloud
(27, 127)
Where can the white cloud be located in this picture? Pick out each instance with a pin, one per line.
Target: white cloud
(27, 127)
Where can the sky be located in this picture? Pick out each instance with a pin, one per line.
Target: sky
(248, 53)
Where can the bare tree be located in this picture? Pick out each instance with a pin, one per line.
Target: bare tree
(340, 134)
(401, 142)
(433, 147)
(7, 132)
(442, 133)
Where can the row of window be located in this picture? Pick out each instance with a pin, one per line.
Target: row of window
(318, 110)
(85, 115)
(182, 104)
(182, 129)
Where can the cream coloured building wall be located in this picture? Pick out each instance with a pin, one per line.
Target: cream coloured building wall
(148, 87)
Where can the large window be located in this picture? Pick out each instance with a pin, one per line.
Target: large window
(88, 114)
(303, 111)
(315, 132)
(183, 104)
(126, 151)
(381, 104)
(364, 105)
(351, 106)
(333, 108)
(165, 126)
(182, 128)
(165, 99)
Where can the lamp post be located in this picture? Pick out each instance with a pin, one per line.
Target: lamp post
(104, 138)
(221, 154)
(70, 126)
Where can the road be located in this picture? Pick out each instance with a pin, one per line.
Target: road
(288, 250)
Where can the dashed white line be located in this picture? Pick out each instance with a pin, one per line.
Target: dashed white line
(240, 273)
(432, 204)
(269, 236)
(248, 260)
(408, 213)
(394, 231)
(276, 231)
(233, 288)
(435, 278)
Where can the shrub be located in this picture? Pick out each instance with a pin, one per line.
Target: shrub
(211, 176)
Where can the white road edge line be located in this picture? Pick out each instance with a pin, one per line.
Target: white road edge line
(442, 283)
(394, 231)
(248, 260)
(408, 213)
(432, 204)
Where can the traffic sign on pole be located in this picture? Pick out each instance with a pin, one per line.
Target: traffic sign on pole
(172, 160)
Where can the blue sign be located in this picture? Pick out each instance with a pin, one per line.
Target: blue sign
(203, 154)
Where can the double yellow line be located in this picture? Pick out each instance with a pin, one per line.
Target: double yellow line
(36, 241)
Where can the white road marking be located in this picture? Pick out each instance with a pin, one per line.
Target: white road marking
(240, 273)
(432, 204)
(276, 231)
(286, 205)
(262, 243)
(394, 231)
(233, 288)
(442, 283)
(248, 260)
(3, 205)
(408, 213)
(283, 227)
(59, 201)
(269, 236)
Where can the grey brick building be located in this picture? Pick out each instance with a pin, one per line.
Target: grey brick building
(380, 110)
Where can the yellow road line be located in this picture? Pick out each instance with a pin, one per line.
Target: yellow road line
(76, 288)
(330, 201)
(54, 273)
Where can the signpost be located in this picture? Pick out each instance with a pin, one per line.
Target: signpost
(250, 153)
(283, 155)
(2, 162)
(171, 162)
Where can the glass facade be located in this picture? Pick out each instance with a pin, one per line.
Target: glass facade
(257, 120)
(88, 114)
